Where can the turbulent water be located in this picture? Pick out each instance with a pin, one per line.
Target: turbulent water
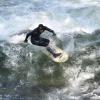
(26, 73)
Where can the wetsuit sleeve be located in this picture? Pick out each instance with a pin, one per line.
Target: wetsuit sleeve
(27, 36)
(48, 29)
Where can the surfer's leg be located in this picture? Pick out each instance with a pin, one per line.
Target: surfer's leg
(45, 43)
(52, 52)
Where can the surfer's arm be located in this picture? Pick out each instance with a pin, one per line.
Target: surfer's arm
(48, 29)
(29, 34)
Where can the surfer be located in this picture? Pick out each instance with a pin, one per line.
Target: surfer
(39, 41)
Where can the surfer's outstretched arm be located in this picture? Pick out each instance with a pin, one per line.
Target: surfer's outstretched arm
(29, 34)
(48, 29)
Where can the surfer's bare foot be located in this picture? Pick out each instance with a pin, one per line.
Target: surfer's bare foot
(57, 54)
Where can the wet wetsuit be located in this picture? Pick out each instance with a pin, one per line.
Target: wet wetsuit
(35, 36)
(37, 40)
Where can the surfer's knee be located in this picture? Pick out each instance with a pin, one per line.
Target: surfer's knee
(47, 42)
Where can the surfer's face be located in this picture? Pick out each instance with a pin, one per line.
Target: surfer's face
(41, 29)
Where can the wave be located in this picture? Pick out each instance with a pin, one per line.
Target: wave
(28, 67)
(70, 18)
(3, 57)
(25, 71)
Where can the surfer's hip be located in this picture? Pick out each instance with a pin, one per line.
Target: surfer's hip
(40, 41)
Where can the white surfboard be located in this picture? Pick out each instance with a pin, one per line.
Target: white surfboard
(62, 58)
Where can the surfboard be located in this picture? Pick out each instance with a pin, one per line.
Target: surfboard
(62, 58)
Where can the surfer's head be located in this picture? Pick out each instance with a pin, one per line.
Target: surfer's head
(40, 26)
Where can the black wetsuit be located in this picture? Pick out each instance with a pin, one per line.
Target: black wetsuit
(35, 36)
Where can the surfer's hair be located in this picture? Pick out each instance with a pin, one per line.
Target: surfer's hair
(40, 25)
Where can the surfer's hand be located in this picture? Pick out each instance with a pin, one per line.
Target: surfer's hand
(25, 41)
(54, 34)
